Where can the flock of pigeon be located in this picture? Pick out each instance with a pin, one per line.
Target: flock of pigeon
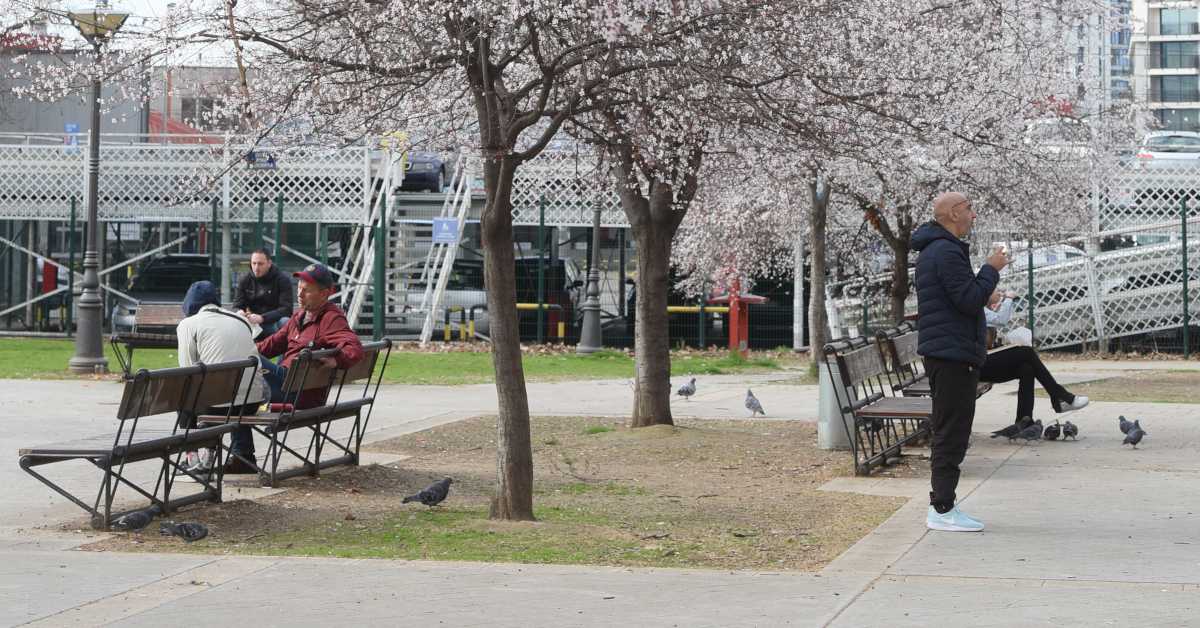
(752, 403)
(1028, 430)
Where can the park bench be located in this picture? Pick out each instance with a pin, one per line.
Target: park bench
(338, 399)
(153, 397)
(154, 328)
(877, 424)
(905, 369)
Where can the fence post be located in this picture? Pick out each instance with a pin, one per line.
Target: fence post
(541, 271)
(700, 331)
(213, 273)
(380, 296)
(278, 225)
(71, 272)
(1030, 295)
(258, 227)
(1186, 314)
(322, 247)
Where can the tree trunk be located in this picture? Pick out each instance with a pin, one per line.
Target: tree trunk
(817, 320)
(652, 338)
(899, 291)
(514, 494)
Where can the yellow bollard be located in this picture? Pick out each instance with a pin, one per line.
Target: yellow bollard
(562, 331)
(471, 329)
(446, 333)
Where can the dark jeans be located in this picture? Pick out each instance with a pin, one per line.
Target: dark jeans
(953, 385)
(241, 441)
(1024, 363)
(268, 329)
(275, 376)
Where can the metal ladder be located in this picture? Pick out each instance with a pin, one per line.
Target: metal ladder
(359, 264)
(439, 261)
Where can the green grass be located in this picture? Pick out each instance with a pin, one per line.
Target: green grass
(598, 429)
(25, 358)
(459, 534)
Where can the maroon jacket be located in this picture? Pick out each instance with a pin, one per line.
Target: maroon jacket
(328, 329)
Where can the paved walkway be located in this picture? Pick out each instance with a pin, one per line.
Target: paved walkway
(1079, 533)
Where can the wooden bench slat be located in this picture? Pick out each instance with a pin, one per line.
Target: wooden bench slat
(144, 440)
(898, 407)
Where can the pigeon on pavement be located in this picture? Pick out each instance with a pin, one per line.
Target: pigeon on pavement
(186, 531)
(1033, 432)
(1071, 430)
(1011, 431)
(688, 389)
(1134, 436)
(1052, 432)
(753, 405)
(431, 495)
(1124, 424)
(137, 519)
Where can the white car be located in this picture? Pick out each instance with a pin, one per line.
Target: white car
(1169, 149)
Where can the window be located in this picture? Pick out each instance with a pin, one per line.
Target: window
(1180, 54)
(206, 113)
(1175, 89)
(1178, 119)
(1177, 22)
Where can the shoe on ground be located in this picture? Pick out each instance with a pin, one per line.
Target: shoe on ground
(953, 520)
(237, 466)
(1079, 404)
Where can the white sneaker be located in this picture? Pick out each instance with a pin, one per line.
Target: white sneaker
(1079, 404)
(953, 520)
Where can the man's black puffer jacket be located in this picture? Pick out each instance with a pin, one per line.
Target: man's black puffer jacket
(269, 296)
(950, 298)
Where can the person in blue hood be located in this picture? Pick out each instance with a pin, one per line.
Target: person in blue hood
(952, 339)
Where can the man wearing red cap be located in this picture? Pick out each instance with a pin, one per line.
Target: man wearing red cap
(319, 325)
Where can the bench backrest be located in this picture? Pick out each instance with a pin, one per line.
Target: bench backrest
(860, 372)
(184, 389)
(157, 315)
(364, 368)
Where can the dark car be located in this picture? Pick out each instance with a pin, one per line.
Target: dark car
(425, 172)
(163, 279)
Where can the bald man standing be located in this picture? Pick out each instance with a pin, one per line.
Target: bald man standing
(952, 339)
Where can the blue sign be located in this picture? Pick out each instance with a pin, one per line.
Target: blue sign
(445, 231)
(71, 137)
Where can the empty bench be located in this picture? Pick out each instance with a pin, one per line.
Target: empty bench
(341, 394)
(878, 422)
(155, 397)
(154, 328)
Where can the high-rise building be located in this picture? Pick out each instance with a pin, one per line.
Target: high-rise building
(1167, 61)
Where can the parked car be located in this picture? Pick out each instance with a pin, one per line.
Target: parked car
(1167, 162)
(465, 288)
(425, 171)
(163, 279)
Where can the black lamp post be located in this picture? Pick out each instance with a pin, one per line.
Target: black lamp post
(97, 25)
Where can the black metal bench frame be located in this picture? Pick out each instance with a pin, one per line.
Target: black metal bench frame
(307, 374)
(173, 391)
(905, 368)
(877, 425)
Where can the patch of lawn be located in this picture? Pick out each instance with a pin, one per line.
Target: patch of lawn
(46, 358)
(598, 429)
(42, 358)
(1169, 386)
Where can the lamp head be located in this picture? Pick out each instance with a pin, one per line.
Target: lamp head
(98, 24)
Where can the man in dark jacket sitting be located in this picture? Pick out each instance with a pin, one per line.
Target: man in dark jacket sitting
(952, 338)
(265, 295)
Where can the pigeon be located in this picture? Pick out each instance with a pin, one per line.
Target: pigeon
(136, 520)
(1124, 424)
(1011, 431)
(753, 405)
(1134, 436)
(688, 389)
(186, 531)
(431, 495)
(1052, 431)
(1071, 430)
(1033, 432)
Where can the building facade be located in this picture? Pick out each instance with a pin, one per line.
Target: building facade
(1167, 62)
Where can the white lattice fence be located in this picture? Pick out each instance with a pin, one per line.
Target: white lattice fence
(571, 184)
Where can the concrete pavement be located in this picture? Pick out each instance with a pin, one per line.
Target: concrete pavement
(1082, 533)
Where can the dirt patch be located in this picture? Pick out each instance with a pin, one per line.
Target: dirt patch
(710, 494)
(1172, 386)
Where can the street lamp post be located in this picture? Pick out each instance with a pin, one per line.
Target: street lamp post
(590, 335)
(97, 25)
